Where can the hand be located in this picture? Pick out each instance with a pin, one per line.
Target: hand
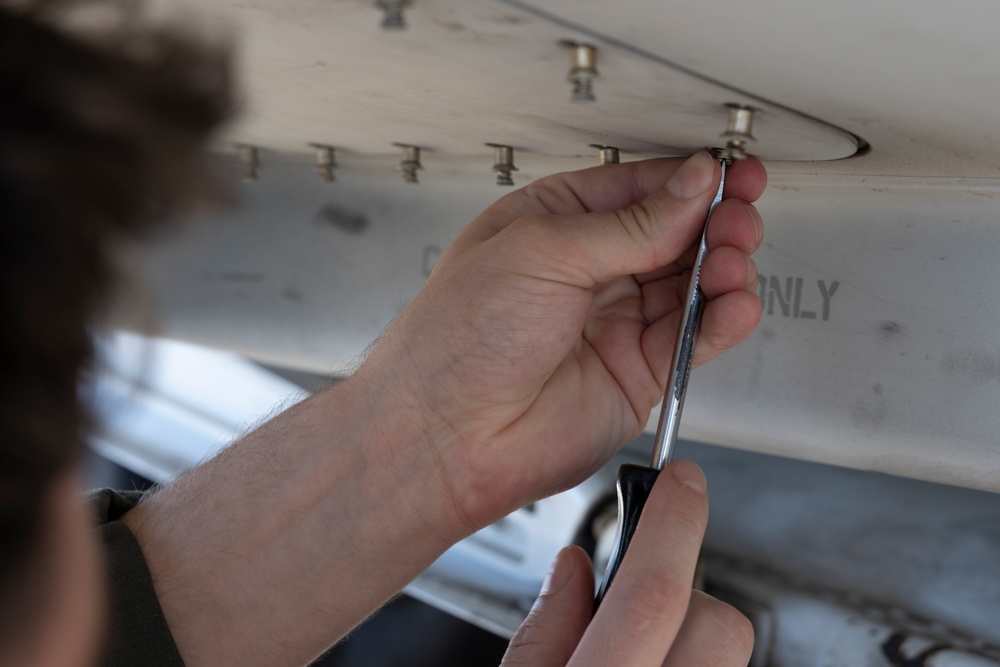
(650, 616)
(543, 338)
(538, 347)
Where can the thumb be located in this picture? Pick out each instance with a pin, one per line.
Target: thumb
(600, 246)
(553, 628)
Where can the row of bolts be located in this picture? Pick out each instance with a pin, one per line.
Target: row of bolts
(738, 133)
(583, 71)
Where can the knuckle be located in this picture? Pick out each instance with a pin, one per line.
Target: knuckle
(684, 516)
(653, 596)
(526, 643)
(717, 339)
(638, 220)
(733, 628)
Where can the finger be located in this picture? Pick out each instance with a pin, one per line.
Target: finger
(614, 186)
(713, 634)
(645, 606)
(726, 321)
(664, 296)
(603, 188)
(734, 223)
(727, 270)
(553, 628)
(590, 248)
(745, 179)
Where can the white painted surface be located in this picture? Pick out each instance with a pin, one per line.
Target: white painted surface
(900, 375)
(466, 72)
(916, 78)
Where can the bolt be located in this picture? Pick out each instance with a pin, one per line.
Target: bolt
(503, 163)
(738, 132)
(410, 162)
(606, 154)
(249, 161)
(582, 69)
(393, 19)
(325, 162)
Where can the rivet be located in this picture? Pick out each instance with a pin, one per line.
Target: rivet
(393, 18)
(739, 130)
(582, 69)
(410, 162)
(503, 163)
(249, 161)
(606, 154)
(326, 162)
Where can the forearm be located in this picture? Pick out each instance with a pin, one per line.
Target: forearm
(284, 542)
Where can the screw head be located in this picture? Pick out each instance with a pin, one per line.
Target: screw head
(607, 154)
(325, 162)
(410, 162)
(393, 18)
(249, 161)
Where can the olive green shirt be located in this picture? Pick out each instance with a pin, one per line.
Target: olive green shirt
(137, 632)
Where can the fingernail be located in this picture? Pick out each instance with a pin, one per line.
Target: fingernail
(694, 176)
(558, 574)
(690, 475)
(758, 227)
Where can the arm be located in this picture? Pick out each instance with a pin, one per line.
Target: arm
(536, 350)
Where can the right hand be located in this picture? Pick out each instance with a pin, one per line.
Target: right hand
(650, 616)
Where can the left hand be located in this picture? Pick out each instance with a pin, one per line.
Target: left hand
(543, 338)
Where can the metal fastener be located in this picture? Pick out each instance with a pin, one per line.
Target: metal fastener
(503, 163)
(606, 154)
(739, 130)
(393, 18)
(410, 162)
(249, 160)
(582, 69)
(326, 162)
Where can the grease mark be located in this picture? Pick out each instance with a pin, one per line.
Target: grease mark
(343, 218)
(889, 331)
(870, 414)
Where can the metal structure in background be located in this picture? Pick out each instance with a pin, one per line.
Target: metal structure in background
(607, 154)
(409, 163)
(582, 69)
(503, 163)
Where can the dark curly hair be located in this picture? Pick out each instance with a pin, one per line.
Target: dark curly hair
(102, 135)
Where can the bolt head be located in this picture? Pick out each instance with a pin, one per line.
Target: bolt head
(583, 90)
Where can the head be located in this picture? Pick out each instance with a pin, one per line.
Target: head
(102, 135)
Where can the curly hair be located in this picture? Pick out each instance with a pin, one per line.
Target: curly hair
(102, 135)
